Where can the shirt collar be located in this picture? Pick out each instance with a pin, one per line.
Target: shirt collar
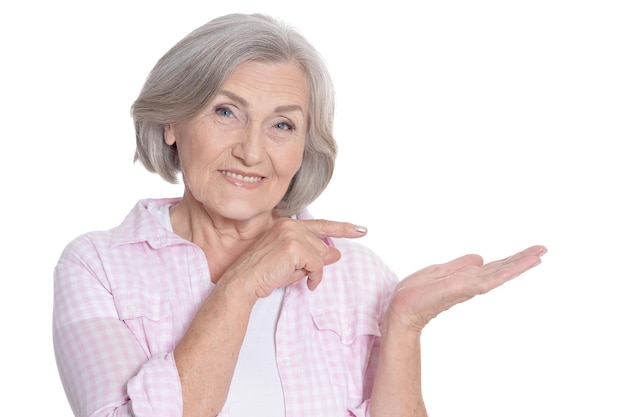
(140, 225)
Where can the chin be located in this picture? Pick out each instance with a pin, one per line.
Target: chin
(244, 212)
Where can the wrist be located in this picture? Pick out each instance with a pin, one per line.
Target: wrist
(238, 289)
(393, 326)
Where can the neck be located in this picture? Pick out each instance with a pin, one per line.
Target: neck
(222, 239)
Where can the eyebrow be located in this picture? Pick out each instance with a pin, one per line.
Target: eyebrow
(244, 103)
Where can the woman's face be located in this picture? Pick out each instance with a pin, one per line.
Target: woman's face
(239, 154)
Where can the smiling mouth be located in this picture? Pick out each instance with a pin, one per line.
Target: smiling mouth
(243, 178)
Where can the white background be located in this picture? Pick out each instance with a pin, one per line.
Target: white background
(478, 126)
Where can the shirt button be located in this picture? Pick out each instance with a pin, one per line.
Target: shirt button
(347, 331)
(131, 310)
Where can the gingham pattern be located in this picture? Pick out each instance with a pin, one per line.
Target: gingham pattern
(124, 297)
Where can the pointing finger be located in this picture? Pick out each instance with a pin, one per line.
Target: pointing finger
(329, 228)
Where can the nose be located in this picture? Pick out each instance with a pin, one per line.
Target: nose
(250, 147)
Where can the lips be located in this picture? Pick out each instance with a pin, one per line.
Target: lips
(243, 178)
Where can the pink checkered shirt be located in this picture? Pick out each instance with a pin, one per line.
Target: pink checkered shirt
(123, 298)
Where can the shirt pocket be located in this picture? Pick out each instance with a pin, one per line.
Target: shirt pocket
(147, 314)
(347, 339)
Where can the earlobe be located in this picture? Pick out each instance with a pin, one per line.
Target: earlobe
(168, 134)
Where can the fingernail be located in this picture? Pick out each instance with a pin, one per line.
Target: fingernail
(361, 229)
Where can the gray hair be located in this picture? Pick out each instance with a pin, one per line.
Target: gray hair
(188, 76)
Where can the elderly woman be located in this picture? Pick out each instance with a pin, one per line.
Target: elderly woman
(231, 300)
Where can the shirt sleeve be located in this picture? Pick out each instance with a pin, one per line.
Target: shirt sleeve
(387, 284)
(103, 367)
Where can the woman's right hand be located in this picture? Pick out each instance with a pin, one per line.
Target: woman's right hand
(289, 251)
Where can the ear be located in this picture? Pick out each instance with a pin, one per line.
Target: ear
(168, 134)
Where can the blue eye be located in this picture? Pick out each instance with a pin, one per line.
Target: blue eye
(224, 112)
(284, 126)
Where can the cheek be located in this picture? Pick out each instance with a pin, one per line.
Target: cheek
(196, 154)
(291, 163)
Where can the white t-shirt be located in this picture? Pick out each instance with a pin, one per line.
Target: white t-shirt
(256, 389)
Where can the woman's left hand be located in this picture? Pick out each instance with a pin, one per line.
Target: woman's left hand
(424, 294)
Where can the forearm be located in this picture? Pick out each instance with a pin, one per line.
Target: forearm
(398, 387)
(207, 354)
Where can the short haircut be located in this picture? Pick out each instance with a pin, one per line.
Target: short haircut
(189, 75)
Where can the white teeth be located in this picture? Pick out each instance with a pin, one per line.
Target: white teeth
(241, 177)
